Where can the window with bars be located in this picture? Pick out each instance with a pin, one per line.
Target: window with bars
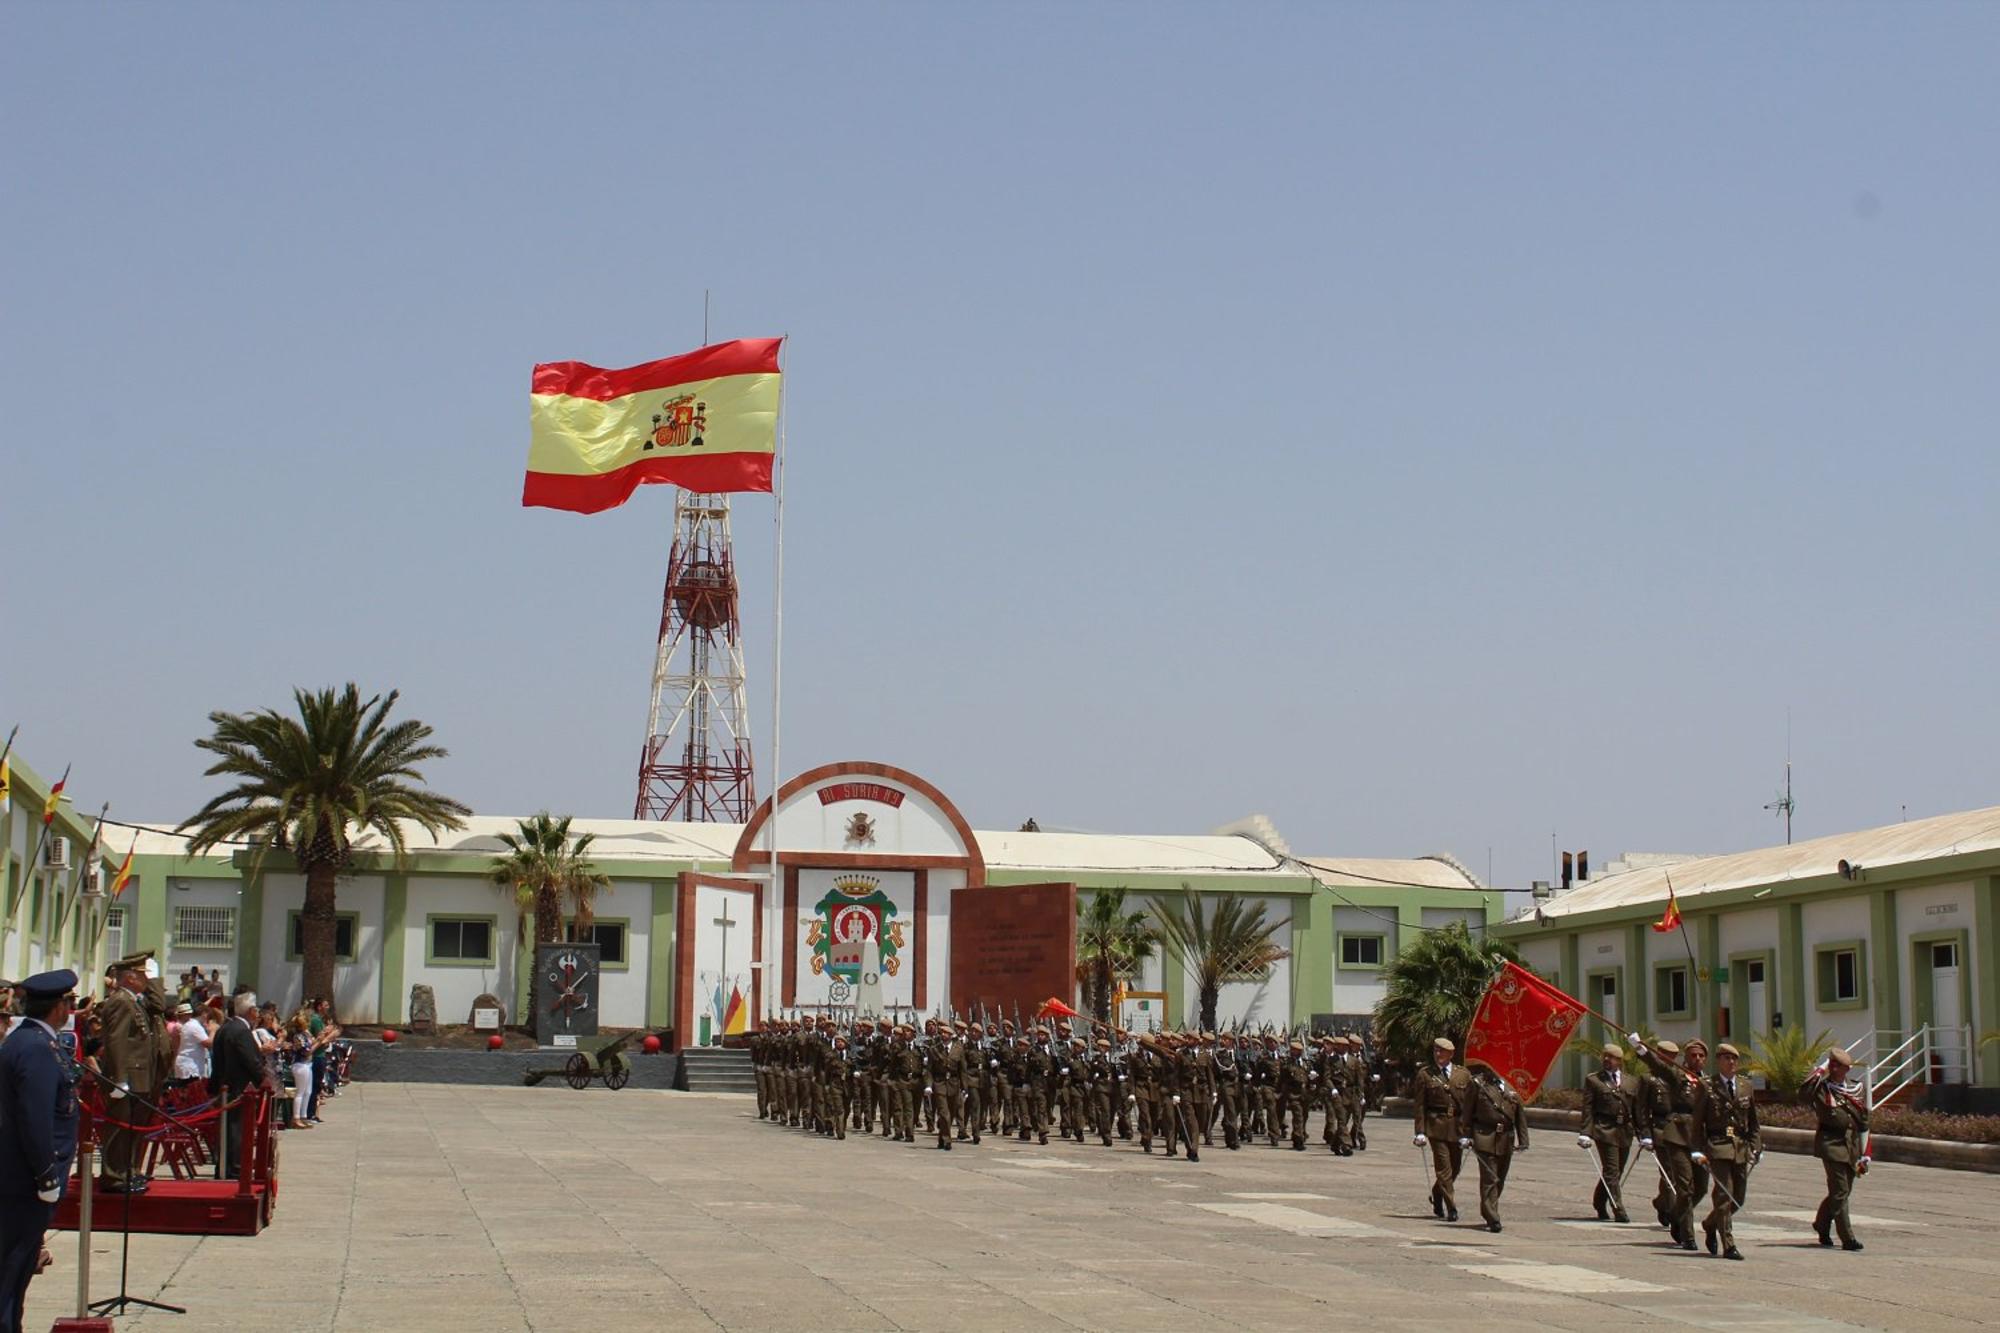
(203, 927)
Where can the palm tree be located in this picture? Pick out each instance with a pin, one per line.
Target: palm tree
(547, 870)
(1786, 1057)
(1110, 943)
(1432, 988)
(308, 784)
(1230, 943)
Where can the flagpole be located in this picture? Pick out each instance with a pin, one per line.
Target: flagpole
(777, 655)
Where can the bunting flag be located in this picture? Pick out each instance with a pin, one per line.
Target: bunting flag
(1671, 922)
(1521, 1027)
(1053, 1007)
(736, 1020)
(704, 421)
(6, 787)
(55, 798)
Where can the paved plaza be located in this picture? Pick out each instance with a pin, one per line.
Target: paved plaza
(470, 1208)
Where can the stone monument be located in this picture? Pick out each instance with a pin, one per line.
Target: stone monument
(1012, 946)
(423, 1009)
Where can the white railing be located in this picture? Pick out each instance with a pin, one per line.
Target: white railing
(1930, 1055)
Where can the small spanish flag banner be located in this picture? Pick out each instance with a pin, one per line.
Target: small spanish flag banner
(55, 798)
(1672, 920)
(704, 421)
(124, 875)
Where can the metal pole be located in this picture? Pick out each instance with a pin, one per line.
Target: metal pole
(84, 1180)
(777, 638)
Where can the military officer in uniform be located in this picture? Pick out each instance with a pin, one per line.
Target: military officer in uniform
(1840, 1141)
(1496, 1124)
(37, 1134)
(1678, 1145)
(133, 1017)
(1440, 1094)
(1611, 1121)
(1729, 1123)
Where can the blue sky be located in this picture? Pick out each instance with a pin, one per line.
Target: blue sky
(1434, 426)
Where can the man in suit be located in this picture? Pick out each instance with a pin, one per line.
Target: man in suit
(1440, 1094)
(1729, 1123)
(235, 1063)
(1840, 1141)
(133, 1020)
(37, 1134)
(1611, 1120)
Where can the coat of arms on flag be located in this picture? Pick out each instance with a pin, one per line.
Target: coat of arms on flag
(854, 911)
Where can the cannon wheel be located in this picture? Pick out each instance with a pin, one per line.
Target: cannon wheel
(576, 1071)
(617, 1074)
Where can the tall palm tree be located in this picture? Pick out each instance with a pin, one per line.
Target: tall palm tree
(548, 870)
(308, 784)
(1433, 986)
(1231, 942)
(1110, 943)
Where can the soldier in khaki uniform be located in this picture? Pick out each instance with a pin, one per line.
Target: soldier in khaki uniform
(1611, 1120)
(1729, 1123)
(1355, 1093)
(1440, 1094)
(1840, 1141)
(1677, 1138)
(134, 1018)
(1497, 1125)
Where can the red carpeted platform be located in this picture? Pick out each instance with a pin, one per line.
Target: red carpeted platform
(185, 1198)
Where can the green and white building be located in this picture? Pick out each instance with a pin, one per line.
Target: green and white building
(693, 911)
(56, 913)
(1884, 938)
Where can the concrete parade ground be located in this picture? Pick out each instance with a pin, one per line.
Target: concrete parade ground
(478, 1208)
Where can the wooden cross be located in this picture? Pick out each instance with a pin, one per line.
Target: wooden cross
(724, 922)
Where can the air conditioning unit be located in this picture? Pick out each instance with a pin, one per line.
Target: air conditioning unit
(58, 853)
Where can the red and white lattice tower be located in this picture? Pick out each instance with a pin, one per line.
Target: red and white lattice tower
(696, 763)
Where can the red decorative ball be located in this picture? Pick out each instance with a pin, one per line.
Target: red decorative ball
(388, 1036)
(651, 1045)
(495, 1042)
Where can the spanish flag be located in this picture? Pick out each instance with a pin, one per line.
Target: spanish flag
(124, 875)
(55, 798)
(704, 421)
(1672, 920)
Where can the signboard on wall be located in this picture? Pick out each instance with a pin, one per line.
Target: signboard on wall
(1012, 946)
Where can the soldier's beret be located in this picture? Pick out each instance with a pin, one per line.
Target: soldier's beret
(1726, 1049)
(1103, 1044)
(49, 985)
(1613, 1048)
(1445, 1044)
(1693, 1042)
(1667, 1047)
(1298, 1046)
(1837, 1055)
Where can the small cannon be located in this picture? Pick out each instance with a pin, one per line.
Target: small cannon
(606, 1060)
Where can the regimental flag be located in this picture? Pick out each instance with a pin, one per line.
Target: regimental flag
(1671, 922)
(705, 421)
(1520, 1028)
(55, 798)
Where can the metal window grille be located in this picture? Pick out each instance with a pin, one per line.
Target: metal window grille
(205, 927)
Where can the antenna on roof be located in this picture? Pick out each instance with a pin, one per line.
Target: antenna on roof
(1783, 805)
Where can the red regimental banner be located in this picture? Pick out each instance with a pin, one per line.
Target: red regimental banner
(860, 791)
(1521, 1027)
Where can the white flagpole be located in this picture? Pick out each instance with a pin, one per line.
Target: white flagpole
(775, 904)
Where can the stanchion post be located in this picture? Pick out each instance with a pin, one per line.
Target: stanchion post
(84, 1179)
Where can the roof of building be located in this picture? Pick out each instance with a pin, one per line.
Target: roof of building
(1120, 851)
(1876, 848)
(1423, 872)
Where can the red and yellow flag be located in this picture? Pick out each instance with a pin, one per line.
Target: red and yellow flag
(124, 875)
(1672, 920)
(55, 799)
(704, 421)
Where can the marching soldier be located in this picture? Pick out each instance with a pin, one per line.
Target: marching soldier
(1201, 1092)
(1330, 1074)
(1496, 1124)
(945, 1070)
(133, 1016)
(1031, 1083)
(978, 1077)
(860, 1054)
(1678, 1145)
(1840, 1141)
(1440, 1094)
(1294, 1082)
(1229, 1090)
(905, 1067)
(1611, 1117)
(1104, 1085)
(1264, 1080)
(1729, 1124)
(836, 1086)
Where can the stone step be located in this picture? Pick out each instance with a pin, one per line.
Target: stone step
(716, 1069)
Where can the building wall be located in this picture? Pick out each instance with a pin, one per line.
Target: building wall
(455, 983)
(356, 985)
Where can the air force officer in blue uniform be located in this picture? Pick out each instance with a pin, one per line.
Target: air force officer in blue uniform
(37, 1133)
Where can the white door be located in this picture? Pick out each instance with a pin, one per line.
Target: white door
(1607, 999)
(1947, 1014)
(1758, 1021)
